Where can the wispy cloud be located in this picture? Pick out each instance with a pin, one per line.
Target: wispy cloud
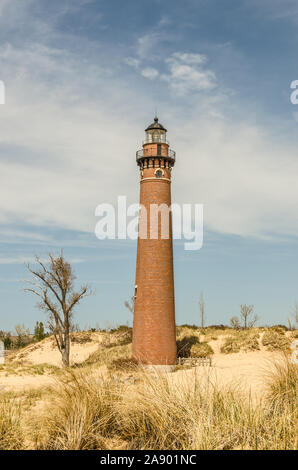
(147, 43)
(150, 72)
(186, 73)
(70, 128)
(188, 58)
(276, 9)
(31, 259)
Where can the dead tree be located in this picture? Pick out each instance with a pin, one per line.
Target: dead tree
(294, 314)
(235, 323)
(54, 284)
(202, 310)
(247, 315)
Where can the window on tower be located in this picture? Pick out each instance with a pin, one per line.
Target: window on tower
(156, 137)
(158, 173)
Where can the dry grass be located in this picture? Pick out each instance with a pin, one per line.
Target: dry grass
(78, 415)
(160, 413)
(241, 341)
(11, 437)
(201, 350)
(135, 409)
(281, 384)
(276, 340)
(109, 354)
(20, 369)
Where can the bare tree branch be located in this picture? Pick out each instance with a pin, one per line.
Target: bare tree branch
(54, 285)
(245, 312)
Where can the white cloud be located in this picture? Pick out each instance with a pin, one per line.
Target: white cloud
(147, 43)
(188, 58)
(72, 124)
(132, 61)
(16, 260)
(276, 9)
(186, 74)
(245, 181)
(31, 259)
(150, 73)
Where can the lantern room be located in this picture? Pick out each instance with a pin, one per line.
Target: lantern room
(155, 133)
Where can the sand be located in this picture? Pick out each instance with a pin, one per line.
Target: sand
(245, 370)
(46, 352)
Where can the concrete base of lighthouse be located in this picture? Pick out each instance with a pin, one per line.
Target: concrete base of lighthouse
(159, 368)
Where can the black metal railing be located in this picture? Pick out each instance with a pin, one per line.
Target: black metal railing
(149, 153)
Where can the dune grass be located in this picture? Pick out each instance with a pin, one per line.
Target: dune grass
(11, 437)
(161, 413)
(245, 340)
(153, 411)
(276, 340)
(20, 369)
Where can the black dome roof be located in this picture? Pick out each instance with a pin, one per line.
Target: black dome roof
(156, 125)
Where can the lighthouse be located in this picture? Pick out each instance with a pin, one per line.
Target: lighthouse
(154, 332)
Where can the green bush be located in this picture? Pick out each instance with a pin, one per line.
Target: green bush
(7, 342)
(39, 332)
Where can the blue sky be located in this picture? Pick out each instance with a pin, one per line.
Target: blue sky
(83, 79)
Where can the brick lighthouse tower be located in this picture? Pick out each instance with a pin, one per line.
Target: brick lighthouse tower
(154, 335)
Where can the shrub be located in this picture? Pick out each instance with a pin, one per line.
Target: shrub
(201, 350)
(242, 340)
(190, 327)
(279, 328)
(190, 346)
(123, 334)
(185, 344)
(7, 341)
(219, 327)
(275, 341)
(81, 337)
(231, 345)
